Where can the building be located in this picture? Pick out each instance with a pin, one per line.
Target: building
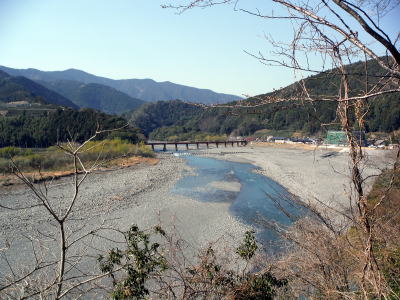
(339, 138)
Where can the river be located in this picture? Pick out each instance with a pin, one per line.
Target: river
(254, 199)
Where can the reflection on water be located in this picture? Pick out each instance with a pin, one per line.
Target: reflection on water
(259, 202)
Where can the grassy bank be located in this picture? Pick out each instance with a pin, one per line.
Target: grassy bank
(105, 153)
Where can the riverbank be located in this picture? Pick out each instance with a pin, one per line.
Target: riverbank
(139, 194)
(319, 176)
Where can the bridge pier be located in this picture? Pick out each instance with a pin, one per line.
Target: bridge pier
(197, 145)
(187, 146)
(217, 144)
(225, 144)
(207, 145)
(165, 147)
(176, 147)
(232, 144)
(237, 143)
(152, 147)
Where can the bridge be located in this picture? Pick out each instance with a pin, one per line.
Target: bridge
(217, 143)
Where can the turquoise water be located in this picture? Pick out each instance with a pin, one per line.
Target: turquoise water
(259, 202)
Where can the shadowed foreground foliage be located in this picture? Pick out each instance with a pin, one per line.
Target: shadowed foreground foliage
(147, 268)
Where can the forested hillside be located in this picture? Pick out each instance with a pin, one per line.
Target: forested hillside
(33, 116)
(153, 116)
(93, 95)
(17, 89)
(163, 119)
(60, 126)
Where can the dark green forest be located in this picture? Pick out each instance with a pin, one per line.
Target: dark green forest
(176, 118)
(27, 130)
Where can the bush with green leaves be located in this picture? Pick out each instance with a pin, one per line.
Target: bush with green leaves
(138, 262)
(10, 151)
(248, 248)
(142, 264)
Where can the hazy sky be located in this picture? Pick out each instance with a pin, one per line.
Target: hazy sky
(138, 39)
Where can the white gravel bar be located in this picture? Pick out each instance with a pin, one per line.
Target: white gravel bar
(317, 175)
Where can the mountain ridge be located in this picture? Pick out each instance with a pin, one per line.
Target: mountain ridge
(144, 89)
(20, 88)
(94, 95)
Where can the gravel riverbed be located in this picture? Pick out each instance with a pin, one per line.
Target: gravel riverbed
(139, 194)
(142, 194)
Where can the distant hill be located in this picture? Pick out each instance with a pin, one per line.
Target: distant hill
(145, 89)
(93, 95)
(20, 89)
(152, 116)
(164, 119)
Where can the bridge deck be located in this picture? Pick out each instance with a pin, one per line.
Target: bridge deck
(217, 143)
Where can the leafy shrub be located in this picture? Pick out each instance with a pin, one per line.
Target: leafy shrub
(257, 287)
(138, 261)
(9, 152)
(4, 165)
(143, 263)
(390, 263)
(248, 248)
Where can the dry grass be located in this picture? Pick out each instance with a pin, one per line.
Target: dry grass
(10, 179)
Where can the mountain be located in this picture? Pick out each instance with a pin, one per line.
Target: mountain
(93, 95)
(145, 89)
(33, 116)
(3, 74)
(21, 89)
(161, 120)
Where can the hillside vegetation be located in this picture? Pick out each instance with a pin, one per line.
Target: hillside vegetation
(21, 89)
(164, 119)
(60, 125)
(93, 95)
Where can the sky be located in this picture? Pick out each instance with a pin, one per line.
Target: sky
(119, 39)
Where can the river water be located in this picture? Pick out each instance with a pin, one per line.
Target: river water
(254, 199)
